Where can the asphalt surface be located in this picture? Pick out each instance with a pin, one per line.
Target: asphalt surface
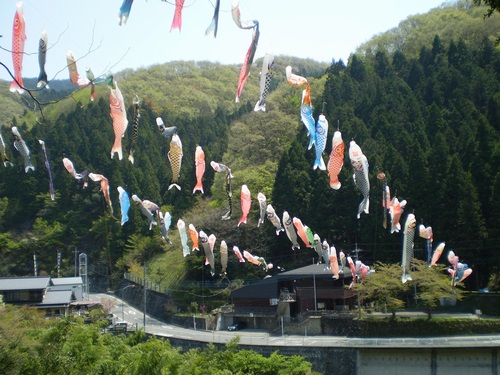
(135, 319)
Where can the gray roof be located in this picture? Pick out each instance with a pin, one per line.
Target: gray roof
(310, 270)
(65, 287)
(67, 281)
(24, 283)
(267, 288)
(58, 297)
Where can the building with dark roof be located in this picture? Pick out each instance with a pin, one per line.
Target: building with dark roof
(53, 295)
(290, 294)
(23, 290)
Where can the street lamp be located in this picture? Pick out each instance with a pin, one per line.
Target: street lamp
(122, 290)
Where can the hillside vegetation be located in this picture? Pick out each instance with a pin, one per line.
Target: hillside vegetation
(29, 343)
(424, 107)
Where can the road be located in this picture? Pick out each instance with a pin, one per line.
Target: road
(135, 318)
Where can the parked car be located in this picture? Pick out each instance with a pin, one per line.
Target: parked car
(237, 326)
(118, 327)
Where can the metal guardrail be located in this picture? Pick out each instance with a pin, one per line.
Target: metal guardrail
(249, 337)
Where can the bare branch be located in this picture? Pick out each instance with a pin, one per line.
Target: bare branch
(35, 53)
(37, 104)
(89, 51)
(27, 90)
(106, 69)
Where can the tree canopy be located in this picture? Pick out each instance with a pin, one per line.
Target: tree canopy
(32, 345)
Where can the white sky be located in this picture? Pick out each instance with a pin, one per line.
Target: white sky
(319, 29)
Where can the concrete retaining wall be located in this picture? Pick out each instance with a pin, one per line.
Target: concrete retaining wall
(352, 361)
(338, 361)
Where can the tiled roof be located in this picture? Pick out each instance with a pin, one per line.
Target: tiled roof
(66, 281)
(59, 297)
(24, 283)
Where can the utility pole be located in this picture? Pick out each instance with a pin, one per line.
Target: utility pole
(58, 264)
(83, 274)
(357, 293)
(75, 251)
(145, 294)
(314, 285)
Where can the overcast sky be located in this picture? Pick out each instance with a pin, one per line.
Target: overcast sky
(319, 29)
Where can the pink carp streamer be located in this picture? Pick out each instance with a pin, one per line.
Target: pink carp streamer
(301, 231)
(336, 160)
(245, 68)
(246, 202)
(177, 21)
(199, 163)
(437, 253)
(118, 113)
(68, 164)
(18, 39)
(237, 252)
(334, 263)
(104, 188)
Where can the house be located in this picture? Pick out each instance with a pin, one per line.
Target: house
(23, 290)
(75, 284)
(52, 295)
(290, 294)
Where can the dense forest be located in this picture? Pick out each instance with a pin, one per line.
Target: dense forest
(423, 105)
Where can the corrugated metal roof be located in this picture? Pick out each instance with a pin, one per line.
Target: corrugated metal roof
(66, 281)
(24, 283)
(57, 297)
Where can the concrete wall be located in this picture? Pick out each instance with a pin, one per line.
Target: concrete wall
(458, 361)
(338, 361)
(156, 306)
(156, 303)
(352, 361)
(310, 326)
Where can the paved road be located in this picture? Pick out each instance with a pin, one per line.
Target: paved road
(135, 318)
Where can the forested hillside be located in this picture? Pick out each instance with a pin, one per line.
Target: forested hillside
(431, 124)
(424, 107)
(197, 98)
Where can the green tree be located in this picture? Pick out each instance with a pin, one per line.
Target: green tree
(433, 284)
(19, 339)
(154, 356)
(493, 4)
(384, 288)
